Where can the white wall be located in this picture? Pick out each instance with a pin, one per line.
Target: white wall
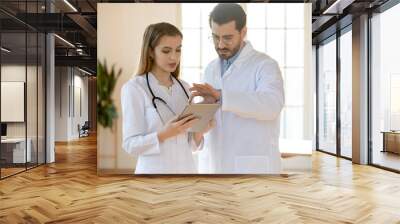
(80, 84)
(67, 115)
(33, 127)
(12, 73)
(61, 103)
(120, 28)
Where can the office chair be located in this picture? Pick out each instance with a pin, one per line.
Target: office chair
(84, 130)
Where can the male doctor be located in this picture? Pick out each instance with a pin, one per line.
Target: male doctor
(248, 85)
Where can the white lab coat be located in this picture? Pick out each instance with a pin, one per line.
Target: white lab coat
(246, 136)
(141, 123)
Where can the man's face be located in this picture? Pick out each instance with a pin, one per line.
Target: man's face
(227, 39)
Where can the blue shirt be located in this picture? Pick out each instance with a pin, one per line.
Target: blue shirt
(226, 63)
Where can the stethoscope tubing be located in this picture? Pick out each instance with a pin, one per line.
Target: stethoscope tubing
(154, 98)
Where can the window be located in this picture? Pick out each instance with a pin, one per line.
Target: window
(196, 30)
(385, 88)
(280, 35)
(327, 96)
(346, 94)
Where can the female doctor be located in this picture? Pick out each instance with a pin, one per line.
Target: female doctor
(151, 102)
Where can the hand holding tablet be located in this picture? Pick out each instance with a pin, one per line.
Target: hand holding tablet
(204, 112)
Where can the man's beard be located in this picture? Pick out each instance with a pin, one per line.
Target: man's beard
(228, 53)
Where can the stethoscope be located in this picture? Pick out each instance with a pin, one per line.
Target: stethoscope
(154, 98)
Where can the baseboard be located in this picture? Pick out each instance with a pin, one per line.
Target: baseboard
(289, 155)
(107, 172)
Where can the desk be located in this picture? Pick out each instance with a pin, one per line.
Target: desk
(391, 141)
(13, 150)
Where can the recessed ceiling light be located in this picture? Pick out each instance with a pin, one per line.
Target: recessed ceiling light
(5, 49)
(86, 72)
(64, 40)
(337, 7)
(70, 5)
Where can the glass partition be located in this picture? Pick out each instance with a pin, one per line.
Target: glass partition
(13, 103)
(22, 88)
(327, 96)
(346, 94)
(385, 89)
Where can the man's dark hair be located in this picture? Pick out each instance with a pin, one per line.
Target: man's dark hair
(226, 12)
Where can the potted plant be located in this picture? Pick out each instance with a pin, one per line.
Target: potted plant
(106, 80)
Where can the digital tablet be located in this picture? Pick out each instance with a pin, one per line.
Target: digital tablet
(205, 112)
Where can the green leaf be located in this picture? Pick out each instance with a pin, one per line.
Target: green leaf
(106, 81)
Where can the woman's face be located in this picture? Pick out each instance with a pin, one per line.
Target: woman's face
(167, 54)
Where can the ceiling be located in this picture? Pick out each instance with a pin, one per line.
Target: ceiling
(76, 22)
(332, 15)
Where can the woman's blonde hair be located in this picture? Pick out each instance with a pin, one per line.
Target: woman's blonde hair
(151, 38)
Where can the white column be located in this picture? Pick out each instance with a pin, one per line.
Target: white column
(360, 90)
(50, 109)
(50, 92)
(309, 77)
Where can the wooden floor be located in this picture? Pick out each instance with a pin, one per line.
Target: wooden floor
(69, 191)
(5, 172)
(387, 159)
